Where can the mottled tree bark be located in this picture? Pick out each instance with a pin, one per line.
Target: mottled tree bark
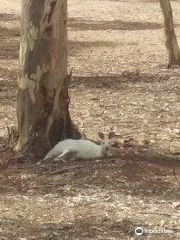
(42, 96)
(171, 40)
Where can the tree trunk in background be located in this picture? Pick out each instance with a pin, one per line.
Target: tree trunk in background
(42, 96)
(171, 40)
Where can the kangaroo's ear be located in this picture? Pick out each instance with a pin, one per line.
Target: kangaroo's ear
(101, 135)
(111, 135)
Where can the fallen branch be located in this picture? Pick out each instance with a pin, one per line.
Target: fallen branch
(9, 136)
(175, 229)
(163, 214)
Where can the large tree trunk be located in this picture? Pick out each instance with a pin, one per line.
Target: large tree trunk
(42, 96)
(171, 40)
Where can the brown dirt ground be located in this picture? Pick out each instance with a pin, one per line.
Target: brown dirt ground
(120, 81)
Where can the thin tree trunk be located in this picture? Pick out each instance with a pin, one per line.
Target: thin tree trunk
(171, 40)
(42, 96)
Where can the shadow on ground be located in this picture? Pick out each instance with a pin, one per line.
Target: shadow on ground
(7, 87)
(8, 17)
(76, 47)
(117, 81)
(9, 43)
(85, 228)
(129, 172)
(84, 25)
(74, 199)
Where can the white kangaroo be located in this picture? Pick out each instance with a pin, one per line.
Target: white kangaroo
(81, 149)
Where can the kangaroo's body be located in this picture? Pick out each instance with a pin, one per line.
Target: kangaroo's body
(80, 149)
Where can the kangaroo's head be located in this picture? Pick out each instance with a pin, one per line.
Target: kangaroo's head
(105, 142)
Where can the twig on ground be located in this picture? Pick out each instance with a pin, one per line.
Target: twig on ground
(9, 136)
(163, 214)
